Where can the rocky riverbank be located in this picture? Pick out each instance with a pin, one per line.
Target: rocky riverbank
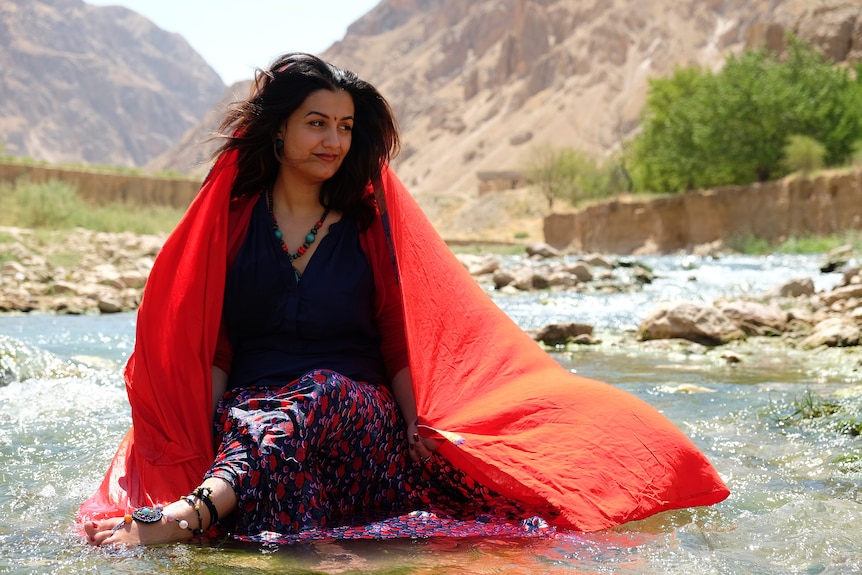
(792, 314)
(77, 272)
(86, 272)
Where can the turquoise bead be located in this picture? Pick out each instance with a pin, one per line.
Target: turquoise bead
(309, 238)
(278, 234)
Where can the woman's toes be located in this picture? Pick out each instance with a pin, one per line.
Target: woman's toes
(98, 531)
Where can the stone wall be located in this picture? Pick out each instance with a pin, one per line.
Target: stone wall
(774, 211)
(104, 188)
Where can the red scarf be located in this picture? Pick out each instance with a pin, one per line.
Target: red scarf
(512, 417)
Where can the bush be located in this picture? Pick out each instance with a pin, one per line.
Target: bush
(803, 154)
(752, 245)
(49, 205)
(55, 205)
(570, 175)
(856, 157)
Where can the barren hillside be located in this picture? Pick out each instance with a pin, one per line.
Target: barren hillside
(95, 84)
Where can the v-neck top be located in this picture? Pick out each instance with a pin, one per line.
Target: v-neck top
(280, 328)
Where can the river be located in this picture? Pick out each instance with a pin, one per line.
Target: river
(796, 486)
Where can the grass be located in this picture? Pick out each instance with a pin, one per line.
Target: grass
(55, 205)
(840, 415)
(805, 245)
(107, 169)
(480, 248)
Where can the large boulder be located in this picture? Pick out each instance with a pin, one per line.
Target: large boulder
(834, 332)
(842, 294)
(756, 318)
(690, 321)
(563, 333)
(796, 287)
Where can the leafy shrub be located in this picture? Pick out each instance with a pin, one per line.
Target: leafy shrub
(570, 175)
(55, 205)
(49, 205)
(856, 156)
(803, 154)
(750, 244)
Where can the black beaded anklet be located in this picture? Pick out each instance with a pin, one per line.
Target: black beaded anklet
(196, 506)
(205, 494)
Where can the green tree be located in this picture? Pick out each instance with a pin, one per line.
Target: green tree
(663, 156)
(569, 174)
(544, 169)
(702, 129)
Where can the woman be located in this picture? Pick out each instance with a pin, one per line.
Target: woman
(300, 313)
(310, 366)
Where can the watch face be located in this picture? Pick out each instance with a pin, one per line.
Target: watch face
(147, 514)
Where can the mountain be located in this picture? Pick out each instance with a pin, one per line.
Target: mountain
(96, 84)
(191, 154)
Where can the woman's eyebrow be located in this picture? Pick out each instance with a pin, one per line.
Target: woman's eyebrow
(316, 113)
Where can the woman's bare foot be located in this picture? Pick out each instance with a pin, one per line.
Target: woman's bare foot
(119, 531)
(178, 520)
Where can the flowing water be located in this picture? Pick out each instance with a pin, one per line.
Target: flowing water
(795, 506)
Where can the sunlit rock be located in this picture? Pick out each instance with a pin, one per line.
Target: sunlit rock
(542, 250)
(563, 333)
(792, 288)
(834, 332)
(756, 318)
(690, 321)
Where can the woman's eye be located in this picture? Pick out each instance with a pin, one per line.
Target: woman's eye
(316, 123)
(346, 128)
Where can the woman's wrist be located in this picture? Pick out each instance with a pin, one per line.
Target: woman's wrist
(184, 517)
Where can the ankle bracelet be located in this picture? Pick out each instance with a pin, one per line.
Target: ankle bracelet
(181, 522)
(196, 506)
(205, 494)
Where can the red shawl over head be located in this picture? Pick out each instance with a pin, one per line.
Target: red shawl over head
(512, 417)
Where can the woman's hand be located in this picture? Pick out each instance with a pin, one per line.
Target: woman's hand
(421, 448)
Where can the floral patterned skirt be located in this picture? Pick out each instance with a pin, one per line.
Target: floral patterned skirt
(325, 451)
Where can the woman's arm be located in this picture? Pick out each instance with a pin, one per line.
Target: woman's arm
(421, 448)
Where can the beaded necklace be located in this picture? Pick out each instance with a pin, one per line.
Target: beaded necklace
(309, 237)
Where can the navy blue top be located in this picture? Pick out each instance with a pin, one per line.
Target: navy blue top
(280, 329)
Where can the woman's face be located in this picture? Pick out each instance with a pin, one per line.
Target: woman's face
(317, 136)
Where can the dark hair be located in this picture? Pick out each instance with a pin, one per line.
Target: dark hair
(251, 127)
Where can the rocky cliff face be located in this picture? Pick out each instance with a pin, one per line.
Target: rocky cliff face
(192, 153)
(82, 83)
(833, 26)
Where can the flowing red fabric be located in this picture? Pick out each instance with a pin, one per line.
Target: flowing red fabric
(509, 414)
(168, 376)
